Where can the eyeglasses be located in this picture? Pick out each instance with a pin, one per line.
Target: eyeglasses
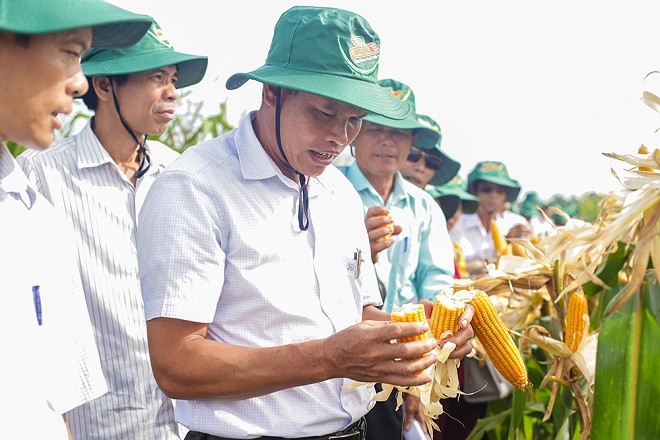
(487, 189)
(430, 161)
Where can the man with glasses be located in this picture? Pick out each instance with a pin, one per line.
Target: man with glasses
(425, 167)
(410, 245)
(496, 190)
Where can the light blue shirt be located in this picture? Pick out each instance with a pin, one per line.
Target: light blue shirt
(420, 263)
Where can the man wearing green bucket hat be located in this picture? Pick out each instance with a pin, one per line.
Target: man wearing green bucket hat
(491, 183)
(430, 166)
(255, 299)
(52, 363)
(531, 208)
(410, 246)
(99, 178)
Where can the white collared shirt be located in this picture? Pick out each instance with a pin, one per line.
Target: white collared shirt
(219, 243)
(80, 178)
(51, 368)
(476, 242)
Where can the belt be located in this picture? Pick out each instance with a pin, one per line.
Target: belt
(356, 431)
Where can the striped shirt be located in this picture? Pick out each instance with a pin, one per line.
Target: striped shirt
(50, 363)
(80, 178)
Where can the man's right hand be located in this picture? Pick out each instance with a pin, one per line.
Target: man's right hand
(364, 352)
(380, 228)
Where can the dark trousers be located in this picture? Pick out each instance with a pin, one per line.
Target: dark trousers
(384, 422)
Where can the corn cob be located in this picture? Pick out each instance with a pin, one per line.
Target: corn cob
(498, 344)
(501, 246)
(575, 324)
(445, 315)
(410, 313)
(518, 250)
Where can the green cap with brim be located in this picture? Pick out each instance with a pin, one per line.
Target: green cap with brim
(448, 167)
(529, 206)
(151, 52)
(111, 26)
(456, 188)
(494, 172)
(426, 135)
(327, 52)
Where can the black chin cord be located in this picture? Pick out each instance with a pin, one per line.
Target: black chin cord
(303, 198)
(143, 154)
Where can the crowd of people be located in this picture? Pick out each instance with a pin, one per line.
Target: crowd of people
(233, 291)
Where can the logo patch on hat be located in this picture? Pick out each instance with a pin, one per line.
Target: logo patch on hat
(490, 167)
(159, 35)
(362, 52)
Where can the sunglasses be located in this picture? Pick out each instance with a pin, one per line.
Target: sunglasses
(430, 161)
(487, 189)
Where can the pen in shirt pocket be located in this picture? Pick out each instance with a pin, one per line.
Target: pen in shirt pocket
(36, 297)
(357, 256)
(406, 243)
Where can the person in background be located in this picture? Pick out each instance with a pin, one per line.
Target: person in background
(454, 200)
(531, 208)
(99, 178)
(50, 361)
(260, 298)
(424, 167)
(410, 246)
(491, 183)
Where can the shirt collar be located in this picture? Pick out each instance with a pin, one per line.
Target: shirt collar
(256, 164)
(13, 182)
(360, 182)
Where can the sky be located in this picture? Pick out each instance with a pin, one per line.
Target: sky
(544, 86)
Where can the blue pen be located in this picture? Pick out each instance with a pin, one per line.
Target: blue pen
(405, 244)
(36, 296)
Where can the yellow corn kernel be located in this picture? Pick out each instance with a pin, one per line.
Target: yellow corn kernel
(643, 149)
(518, 250)
(498, 239)
(575, 323)
(496, 340)
(410, 313)
(445, 315)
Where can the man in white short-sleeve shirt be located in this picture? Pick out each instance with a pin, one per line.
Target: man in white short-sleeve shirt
(254, 260)
(50, 360)
(99, 178)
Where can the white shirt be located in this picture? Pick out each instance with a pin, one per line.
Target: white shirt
(234, 257)
(542, 227)
(476, 242)
(80, 178)
(51, 368)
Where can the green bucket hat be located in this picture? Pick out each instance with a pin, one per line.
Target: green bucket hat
(456, 188)
(529, 206)
(494, 172)
(448, 167)
(111, 26)
(427, 134)
(151, 52)
(327, 52)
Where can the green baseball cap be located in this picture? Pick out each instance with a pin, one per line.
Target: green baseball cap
(151, 52)
(456, 188)
(494, 172)
(327, 52)
(111, 26)
(448, 166)
(427, 135)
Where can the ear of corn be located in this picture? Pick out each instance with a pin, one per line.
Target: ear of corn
(518, 250)
(496, 340)
(575, 323)
(643, 149)
(410, 313)
(501, 246)
(445, 315)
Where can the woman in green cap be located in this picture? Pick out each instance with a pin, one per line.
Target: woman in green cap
(254, 260)
(51, 363)
(99, 179)
(491, 183)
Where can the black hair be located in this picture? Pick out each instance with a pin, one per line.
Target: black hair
(22, 40)
(91, 100)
